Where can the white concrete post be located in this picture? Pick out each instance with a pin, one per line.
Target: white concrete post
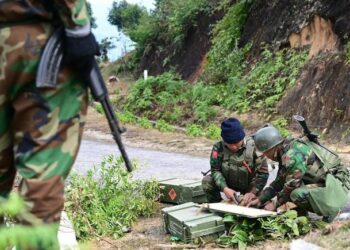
(145, 74)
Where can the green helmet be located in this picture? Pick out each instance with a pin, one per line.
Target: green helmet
(266, 138)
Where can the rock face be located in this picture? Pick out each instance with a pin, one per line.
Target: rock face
(318, 34)
(272, 22)
(322, 94)
(188, 59)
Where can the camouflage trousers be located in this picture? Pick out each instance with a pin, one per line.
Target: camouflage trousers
(40, 129)
(301, 197)
(212, 191)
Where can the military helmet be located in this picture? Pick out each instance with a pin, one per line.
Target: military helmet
(267, 138)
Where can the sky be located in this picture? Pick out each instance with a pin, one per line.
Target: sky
(100, 9)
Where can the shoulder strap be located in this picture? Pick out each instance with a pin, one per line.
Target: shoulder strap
(249, 151)
(328, 159)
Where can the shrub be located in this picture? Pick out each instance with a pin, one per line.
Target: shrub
(107, 201)
(213, 132)
(281, 124)
(163, 126)
(194, 130)
(126, 117)
(145, 123)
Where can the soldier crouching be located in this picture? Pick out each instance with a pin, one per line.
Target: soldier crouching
(235, 166)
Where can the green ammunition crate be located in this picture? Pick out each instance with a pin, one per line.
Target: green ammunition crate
(179, 191)
(188, 222)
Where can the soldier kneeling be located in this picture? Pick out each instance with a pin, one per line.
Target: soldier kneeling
(235, 166)
(309, 175)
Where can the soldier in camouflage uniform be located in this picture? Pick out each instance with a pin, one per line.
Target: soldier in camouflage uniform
(309, 175)
(235, 166)
(40, 129)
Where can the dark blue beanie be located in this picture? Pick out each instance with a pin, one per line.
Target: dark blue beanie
(232, 131)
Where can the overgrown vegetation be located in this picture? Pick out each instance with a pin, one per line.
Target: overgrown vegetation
(225, 58)
(23, 237)
(167, 97)
(231, 81)
(106, 201)
(168, 24)
(244, 231)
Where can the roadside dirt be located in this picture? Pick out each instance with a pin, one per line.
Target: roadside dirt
(97, 128)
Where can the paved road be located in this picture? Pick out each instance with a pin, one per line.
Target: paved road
(159, 165)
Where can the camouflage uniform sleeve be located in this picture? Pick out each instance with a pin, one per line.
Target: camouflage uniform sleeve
(275, 187)
(261, 175)
(295, 162)
(216, 159)
(73, 13)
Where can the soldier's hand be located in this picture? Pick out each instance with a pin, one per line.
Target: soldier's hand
(79, 52)
(254, 203)
(270, 206)
(248, 197)
(229, 193)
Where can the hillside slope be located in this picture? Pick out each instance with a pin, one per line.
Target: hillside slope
(322, 93)
(275, 58)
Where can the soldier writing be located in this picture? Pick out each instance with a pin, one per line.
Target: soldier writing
(235, 167)
(309, 175)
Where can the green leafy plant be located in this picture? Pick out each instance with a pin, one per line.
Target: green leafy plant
(225, 59)
(194, 130)
(106, 201)
(281, 124)
(126, 117)
(213, 132)
(144, 122)
(24, 237)
(163, 126)
(244, 231)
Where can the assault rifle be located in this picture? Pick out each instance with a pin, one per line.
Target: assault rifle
(310, 135)
(47, 77)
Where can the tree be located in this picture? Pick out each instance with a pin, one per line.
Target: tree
(106, 44)
(91, 14)
(126, 16)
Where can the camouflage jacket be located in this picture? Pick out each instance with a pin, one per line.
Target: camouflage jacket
(73, 13)
(295, 163)
(258, 169)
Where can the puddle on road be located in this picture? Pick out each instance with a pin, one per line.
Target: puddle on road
(153, 164)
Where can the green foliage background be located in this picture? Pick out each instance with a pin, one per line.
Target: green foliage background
(232, 82)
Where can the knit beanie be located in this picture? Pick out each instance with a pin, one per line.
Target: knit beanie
(232, 131)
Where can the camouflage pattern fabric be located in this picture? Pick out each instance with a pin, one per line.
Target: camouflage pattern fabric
(73, 13)
(300, 174)
(40, 129)
(221, 176)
